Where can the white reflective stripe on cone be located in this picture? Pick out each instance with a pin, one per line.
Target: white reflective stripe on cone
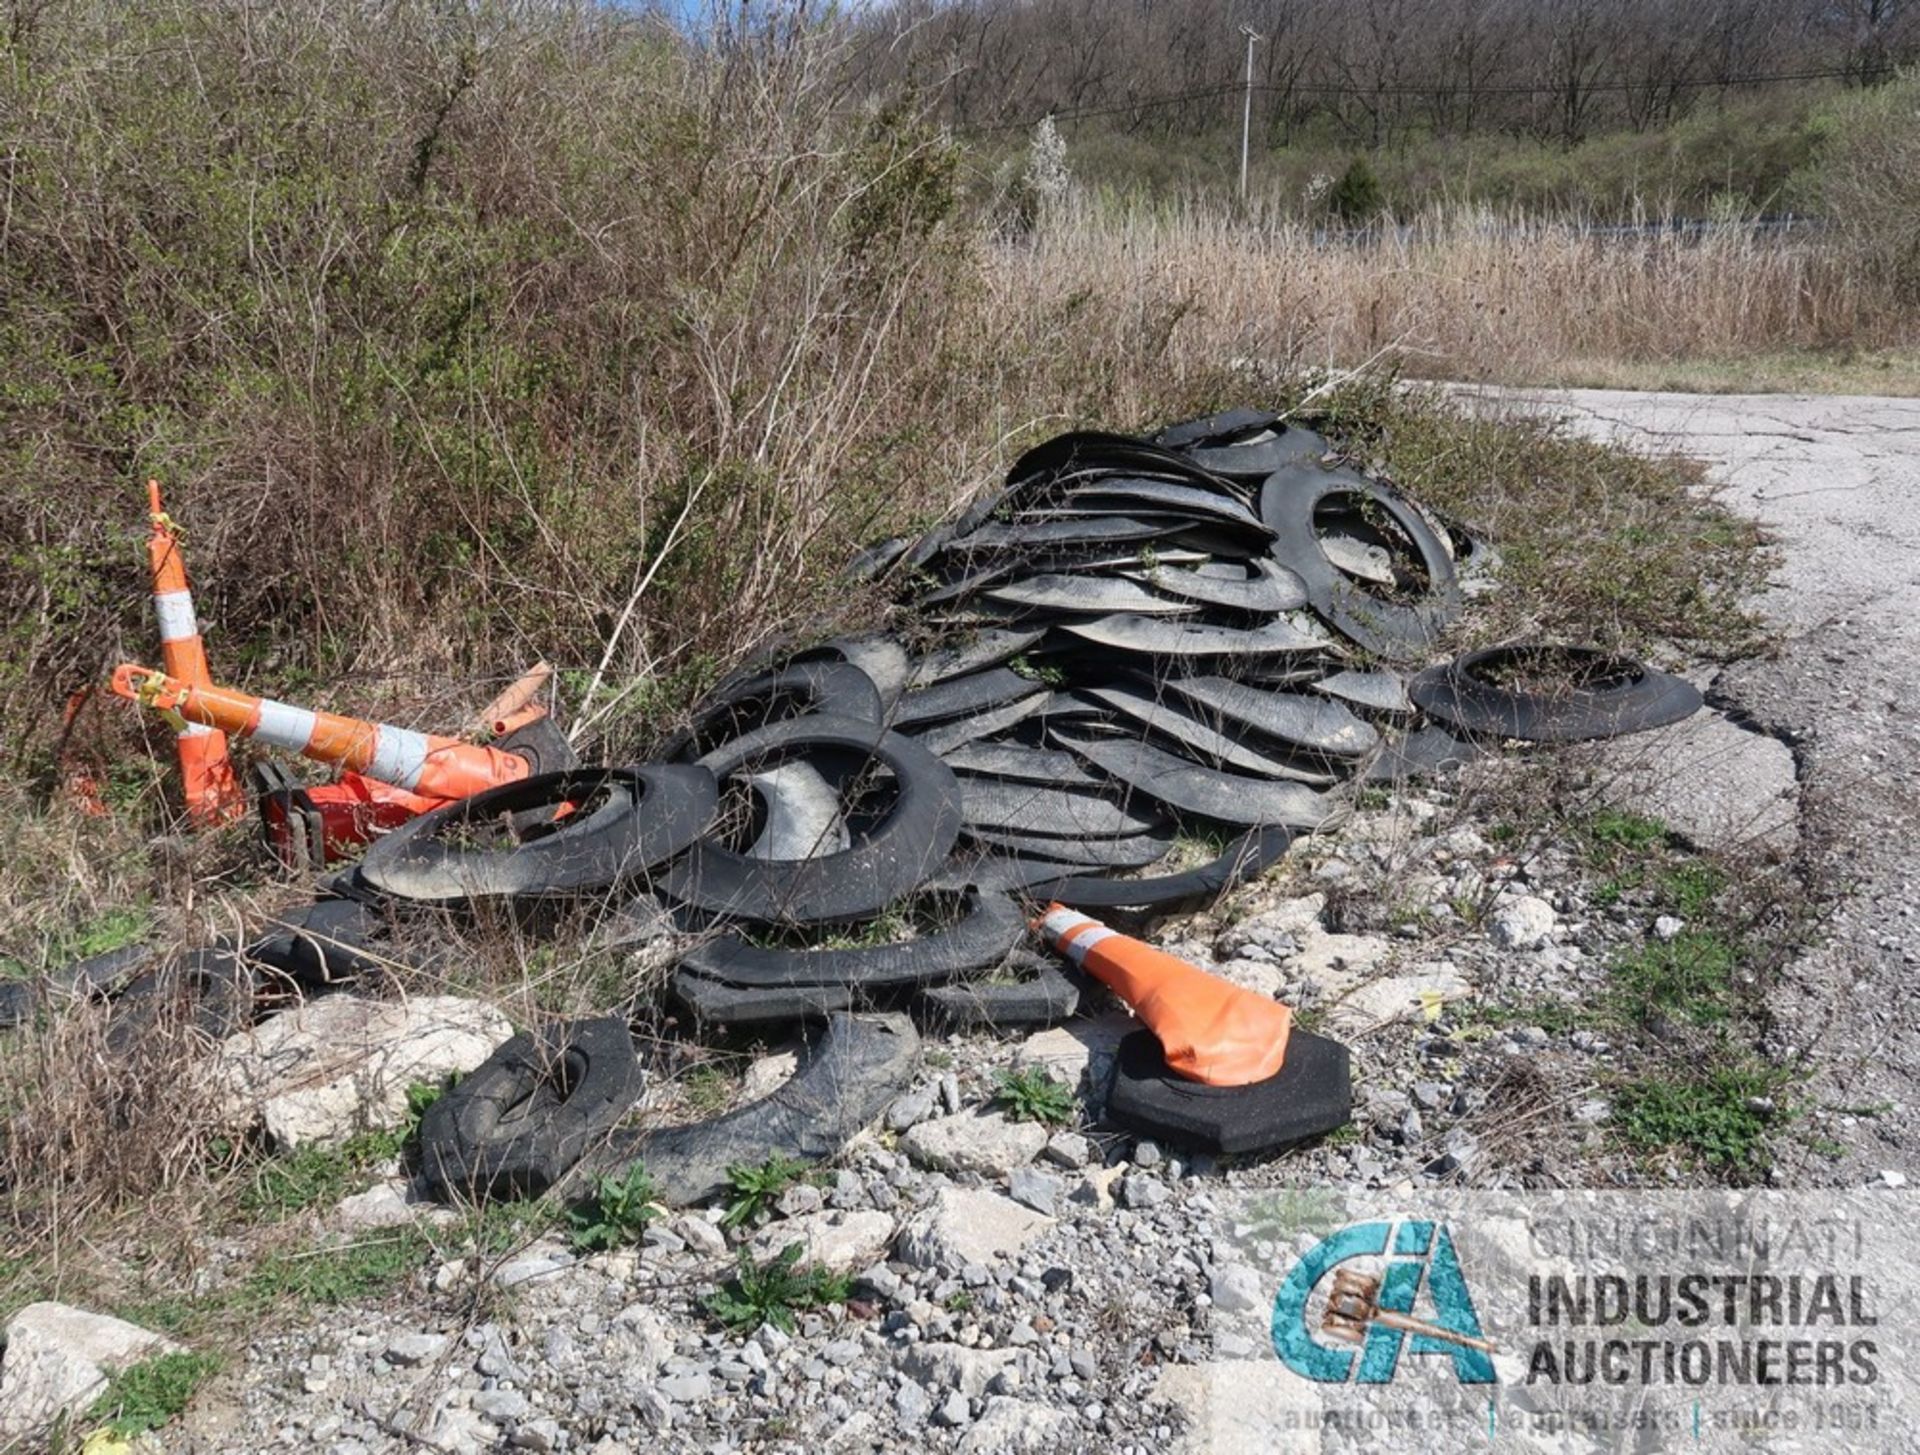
(1073, 933)
(1059, 923)
(1076, 948)
(174, 609)
(398, 756)
(196, 730)
(285, 726)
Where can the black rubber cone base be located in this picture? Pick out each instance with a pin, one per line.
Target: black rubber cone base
(1310, 1095)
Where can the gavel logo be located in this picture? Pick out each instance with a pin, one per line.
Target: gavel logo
(1353, 1306)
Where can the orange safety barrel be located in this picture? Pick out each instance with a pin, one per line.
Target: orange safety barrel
(1212, 1030)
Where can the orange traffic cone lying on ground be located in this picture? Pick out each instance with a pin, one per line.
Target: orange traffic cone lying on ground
(1212, 1030)
(206, 769)
(515, 707)
(422, 763)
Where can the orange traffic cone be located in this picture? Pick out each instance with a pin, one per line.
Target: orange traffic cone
(206, 769)
(515, 707)
(422, 763)
(1212, 1030)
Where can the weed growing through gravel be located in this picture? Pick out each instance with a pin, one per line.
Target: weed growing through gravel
(1721, 1116)
(329, 1276)
(147, 1395)
(1690, 976)
(1033, 1095)
(616, 1212)
(757, 1188)
(708, 1088)
(315, 1176)
(774, 1291)
(311, 1177)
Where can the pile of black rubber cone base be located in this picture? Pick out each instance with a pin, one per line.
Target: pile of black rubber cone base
(1132, 676)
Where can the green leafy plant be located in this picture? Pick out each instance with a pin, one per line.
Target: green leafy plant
(1690, 976)
(1033, 1095)
(1721, 1117)
(773, 1291)
(616, 1213)
(757, 1188)
(147, 1395)
(327, 1276)
(421, 1096)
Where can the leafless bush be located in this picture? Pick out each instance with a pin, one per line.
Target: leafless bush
(463, 337)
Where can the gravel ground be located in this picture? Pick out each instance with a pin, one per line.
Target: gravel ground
(1019, 1288)
(1834, 479)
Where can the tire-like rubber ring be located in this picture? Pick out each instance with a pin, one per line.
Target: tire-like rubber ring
(1210, 427)
(212, 990)
(882, 865)
(97, 975)
(848, 1075)
(323, 943)
(1425, 752)
(1247, 856)
(1046, 999)
(1459, 694)
(1098, 450)
(1393, 630)
(715, 1003)
(517, 1123)
(989, 927)
(652, 812)
(825, 686)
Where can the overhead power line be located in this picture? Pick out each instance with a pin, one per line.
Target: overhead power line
(1462, 93)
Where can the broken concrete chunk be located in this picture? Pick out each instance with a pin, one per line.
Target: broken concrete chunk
(56, 1363)
(342, 1065)
(968, 1225)
(840, 1242)
(992, 1145)
(1719, 786)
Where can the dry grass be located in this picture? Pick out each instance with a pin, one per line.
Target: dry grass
(1893, 372)
(1472, 294)
(536, 336)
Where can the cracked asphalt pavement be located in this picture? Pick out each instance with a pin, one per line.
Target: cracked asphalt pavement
(1836, 481)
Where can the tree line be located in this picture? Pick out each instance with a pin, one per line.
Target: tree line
(1376, 71)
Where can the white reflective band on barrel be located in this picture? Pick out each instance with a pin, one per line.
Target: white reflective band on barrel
(196, 730)
(175, 612)
(398, 757)
(284, 726)
(1059, 923)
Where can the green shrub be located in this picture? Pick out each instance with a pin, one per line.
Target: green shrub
(1355, 196)
(1868, 178)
